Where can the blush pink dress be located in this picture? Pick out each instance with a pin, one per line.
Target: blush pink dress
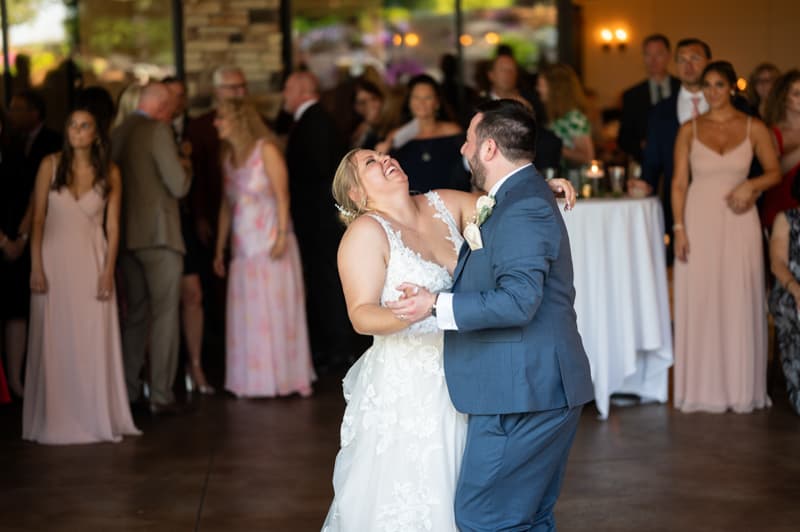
(74, 382)
(720, 306)
(267, 349)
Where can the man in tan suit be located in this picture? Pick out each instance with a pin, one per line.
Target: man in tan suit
(154, 177)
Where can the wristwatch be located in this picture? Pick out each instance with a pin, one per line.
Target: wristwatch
(433, 307)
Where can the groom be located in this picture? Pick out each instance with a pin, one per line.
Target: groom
(513, 357)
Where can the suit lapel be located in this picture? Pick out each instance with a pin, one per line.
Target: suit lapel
(464, 252)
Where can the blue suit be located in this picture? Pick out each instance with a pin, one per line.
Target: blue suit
(516, 363)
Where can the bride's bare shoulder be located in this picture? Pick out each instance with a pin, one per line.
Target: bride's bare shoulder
(364, 228)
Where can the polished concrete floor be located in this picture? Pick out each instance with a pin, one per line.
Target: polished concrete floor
(247, 465)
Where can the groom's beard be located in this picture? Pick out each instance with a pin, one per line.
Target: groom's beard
(478, 172)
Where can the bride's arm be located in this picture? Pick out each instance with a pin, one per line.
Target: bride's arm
(363, 255)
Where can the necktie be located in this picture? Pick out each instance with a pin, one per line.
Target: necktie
(659, 92)
(695, 106)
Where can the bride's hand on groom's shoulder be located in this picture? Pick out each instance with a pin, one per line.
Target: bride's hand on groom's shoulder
(563, 188)
(415, 303)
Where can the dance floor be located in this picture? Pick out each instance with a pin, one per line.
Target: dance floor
(246, 465)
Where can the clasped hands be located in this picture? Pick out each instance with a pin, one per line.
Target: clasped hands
(741, 198)
(414, 304)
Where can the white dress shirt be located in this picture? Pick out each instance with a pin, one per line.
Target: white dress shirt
(298, 114)
(445, 318)
(686, 106)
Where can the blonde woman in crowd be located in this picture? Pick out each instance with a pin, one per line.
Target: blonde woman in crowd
(267, 349)
(127, 103)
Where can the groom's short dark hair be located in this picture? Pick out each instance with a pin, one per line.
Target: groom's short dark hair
(511, 125)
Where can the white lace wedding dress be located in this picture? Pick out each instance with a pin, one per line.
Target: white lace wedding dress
(401, 437)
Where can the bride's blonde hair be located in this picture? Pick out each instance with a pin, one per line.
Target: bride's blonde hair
(344, 181)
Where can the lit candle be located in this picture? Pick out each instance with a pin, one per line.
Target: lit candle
(595, 171)
(586, 190)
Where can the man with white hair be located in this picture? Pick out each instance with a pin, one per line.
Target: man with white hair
(229, 82)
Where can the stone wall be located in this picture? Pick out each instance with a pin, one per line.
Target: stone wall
(245, 33)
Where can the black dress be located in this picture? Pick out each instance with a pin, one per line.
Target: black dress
(434, 163)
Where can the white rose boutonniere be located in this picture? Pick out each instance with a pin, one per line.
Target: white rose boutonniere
(472, 232)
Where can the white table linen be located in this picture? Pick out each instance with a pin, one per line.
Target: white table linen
(621, 298)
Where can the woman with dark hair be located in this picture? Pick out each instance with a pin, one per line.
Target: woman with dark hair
(783, 116)
(720, 316)
(74, 383)
(369, 105)
(759, 85)
(428, 146)
(784, 300)
(267, 351)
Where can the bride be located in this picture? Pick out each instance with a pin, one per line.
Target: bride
(401, 437)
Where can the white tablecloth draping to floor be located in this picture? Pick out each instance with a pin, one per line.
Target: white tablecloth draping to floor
(621, 296)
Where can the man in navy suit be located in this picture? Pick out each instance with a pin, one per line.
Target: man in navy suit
(513, 357)
(639, 99)
(691, 57)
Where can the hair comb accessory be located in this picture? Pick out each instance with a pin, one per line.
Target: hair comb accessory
(348, 213)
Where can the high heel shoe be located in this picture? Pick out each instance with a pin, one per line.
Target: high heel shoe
(196, 380)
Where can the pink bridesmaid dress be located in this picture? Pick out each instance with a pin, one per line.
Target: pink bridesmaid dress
(720, 306)
(267, 349)
(74, 383)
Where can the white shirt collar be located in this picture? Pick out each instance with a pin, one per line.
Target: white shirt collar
(686, 107)
(302, 109)
(496, 187)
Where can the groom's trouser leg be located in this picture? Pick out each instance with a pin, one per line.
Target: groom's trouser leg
(512, 469)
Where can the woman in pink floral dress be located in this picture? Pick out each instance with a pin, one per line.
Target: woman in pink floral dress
(267, 350)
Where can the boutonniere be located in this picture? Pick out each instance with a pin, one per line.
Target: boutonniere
(472, 232)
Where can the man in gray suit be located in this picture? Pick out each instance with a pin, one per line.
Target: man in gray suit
(154, 177)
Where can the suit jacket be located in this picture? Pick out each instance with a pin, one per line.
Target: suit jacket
(635, 110)
(313, 152)
(152, 181)
(517, 348)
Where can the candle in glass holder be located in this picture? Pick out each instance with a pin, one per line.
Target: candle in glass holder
(595, 170)
(586, 190)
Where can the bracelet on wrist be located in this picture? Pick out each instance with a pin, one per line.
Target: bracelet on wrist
(677, 227)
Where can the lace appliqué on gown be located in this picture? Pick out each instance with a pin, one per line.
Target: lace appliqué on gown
(401, 438)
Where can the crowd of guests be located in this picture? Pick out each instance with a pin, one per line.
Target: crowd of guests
(724, 167)
(111, 235)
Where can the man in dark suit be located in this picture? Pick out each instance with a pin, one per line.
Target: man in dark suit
(639, 99)
(313, 152)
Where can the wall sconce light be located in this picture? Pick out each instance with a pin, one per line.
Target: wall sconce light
(741, 84)
(619, 37)
(411, 40)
